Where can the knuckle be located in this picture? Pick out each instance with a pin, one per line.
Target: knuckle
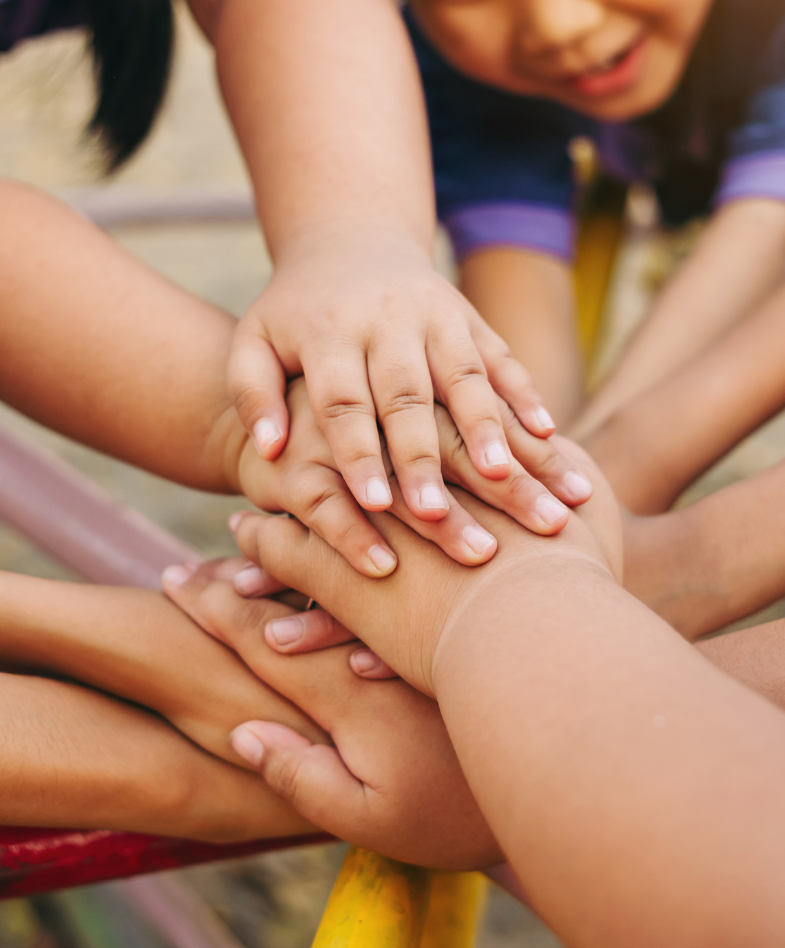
(406, 400)
(340, 406)
(248, 401)
(285, 776)
(466, 371)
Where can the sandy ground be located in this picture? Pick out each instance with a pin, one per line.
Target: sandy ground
(273, 901)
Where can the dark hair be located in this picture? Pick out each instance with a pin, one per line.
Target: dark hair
(131, 47)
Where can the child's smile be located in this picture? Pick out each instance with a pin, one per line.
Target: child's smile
(612, 59)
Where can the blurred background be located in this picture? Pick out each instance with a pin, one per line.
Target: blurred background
(273, 901)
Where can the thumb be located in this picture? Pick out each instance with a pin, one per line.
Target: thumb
(311, 777)
(257, 385)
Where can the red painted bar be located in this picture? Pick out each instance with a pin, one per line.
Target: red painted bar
(85, 528)
(41, 860)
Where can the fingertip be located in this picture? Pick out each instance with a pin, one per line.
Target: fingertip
(246, 744)
(383, 561)
(577, 487)
(269, 438)
(552, 513)
(378, 495)
(481, 544)
(178, 574)
(367, 664)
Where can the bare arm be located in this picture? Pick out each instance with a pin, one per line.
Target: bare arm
(614, 764)
(528, 299)
(737, 264)
(118, 767)
(658, 443)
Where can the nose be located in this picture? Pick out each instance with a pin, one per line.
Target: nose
(548, 25)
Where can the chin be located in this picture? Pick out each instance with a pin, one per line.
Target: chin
(647, 95)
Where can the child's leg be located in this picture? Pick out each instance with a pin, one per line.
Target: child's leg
(754, 656)
(528, 299)
(655, 446)
(737, 263)
(715, 562)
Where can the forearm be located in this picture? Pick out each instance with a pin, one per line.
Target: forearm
(528, 299)
(106, 351)
(655, 446)
(140, 646)
(737, 263)
(72, 757)
(615, 765)
(754, 656)
(326, 102)
(710, 564)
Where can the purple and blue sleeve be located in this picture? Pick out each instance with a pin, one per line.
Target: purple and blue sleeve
(755, 167)
(502, 169)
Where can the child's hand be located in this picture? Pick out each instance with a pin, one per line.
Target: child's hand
(304, 480)
(404, 617)
(392, 782)
(378, 333)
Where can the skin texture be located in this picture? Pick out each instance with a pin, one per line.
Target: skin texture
(654, 771)
(345, 197)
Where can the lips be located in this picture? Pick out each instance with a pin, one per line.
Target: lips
(617, 76)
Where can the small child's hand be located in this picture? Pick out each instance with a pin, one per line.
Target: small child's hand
(377, 334)
(391, 783)
(403, 617)
(304, 481)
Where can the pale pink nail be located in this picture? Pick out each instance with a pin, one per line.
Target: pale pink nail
(551, 511)
(432, 498)
(576, 485)
(286, 631)
(478, 540)
(382, 559)
(544, 418)
(266, 433)
(250, 581)
(364, 661)
(178, 575)
(247, 745)
(495, 455)
(377, 493)
(234, 521)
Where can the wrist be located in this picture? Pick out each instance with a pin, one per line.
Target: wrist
(354, 235)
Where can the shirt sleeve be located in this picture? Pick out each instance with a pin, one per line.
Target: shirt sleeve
(502, 169)
(756, 164)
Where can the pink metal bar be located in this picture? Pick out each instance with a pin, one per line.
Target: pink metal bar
(80, 524)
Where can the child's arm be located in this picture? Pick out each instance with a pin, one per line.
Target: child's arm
(328, 108)
(655, 446)
(73, 757)
(736, 265)
(528, 299)
(614, 764)
(135, 644)
(106, 351)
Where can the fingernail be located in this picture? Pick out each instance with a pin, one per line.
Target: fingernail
(544, 418)
(495, 455)
(364, 661)
(249, 581)
(234, 521)
(551, 511)
(382, 559)
(478, 540)
(178, 575)
(432, 498)
(247, 745)
(286, 631)
(576, 485)
(377, 493)
(266, 433)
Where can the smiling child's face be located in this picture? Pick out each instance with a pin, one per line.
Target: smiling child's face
(611, 59)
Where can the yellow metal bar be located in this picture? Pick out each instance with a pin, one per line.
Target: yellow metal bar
(600, 233)
(455, 909)
(375, 903)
